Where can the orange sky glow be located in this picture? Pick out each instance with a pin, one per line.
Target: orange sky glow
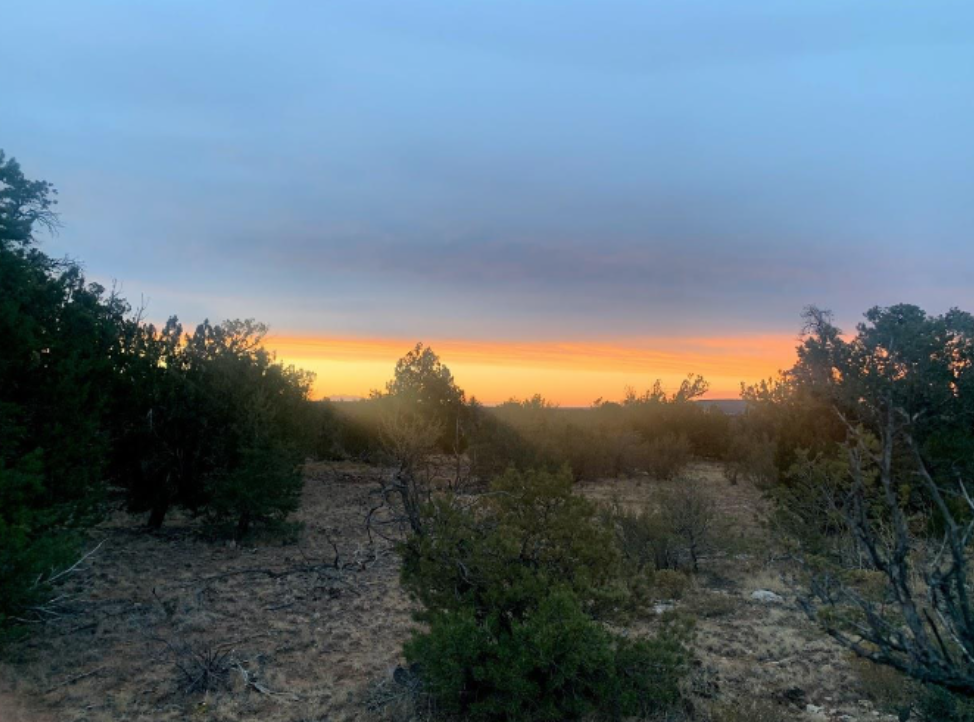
(569, 373)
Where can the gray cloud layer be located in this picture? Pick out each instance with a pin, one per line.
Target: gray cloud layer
(505, 168)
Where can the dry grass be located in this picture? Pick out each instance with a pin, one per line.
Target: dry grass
(757, 659)
(289, 640)
(156, 610)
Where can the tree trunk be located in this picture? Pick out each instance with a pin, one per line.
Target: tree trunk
(243, 524)
(158, 514)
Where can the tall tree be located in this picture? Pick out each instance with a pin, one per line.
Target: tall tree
(902, 389)
(60, 342)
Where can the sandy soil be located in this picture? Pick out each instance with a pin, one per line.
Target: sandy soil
(293, 638)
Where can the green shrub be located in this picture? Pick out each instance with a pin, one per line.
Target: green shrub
(263, 488)
(713, 605)
(94, 399)
(32, 546)
(750, 457)
(936, 704)
(529, 534)
(555, 663)
(514, 585)
(644, 537)
(690, 511)
(552, 664)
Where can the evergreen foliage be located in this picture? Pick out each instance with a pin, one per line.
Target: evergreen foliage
(515, 587)
(93, 399)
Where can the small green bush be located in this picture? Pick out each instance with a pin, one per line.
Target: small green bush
(750, 457)
(554, 664)
(263, 489)
(514, 586)
(709, 606)
(529, 534)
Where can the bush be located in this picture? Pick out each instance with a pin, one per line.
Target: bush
(496, 446)
(644, 537)
(667, 456)
(514, 585)
(57, 369)
(670, 584)
(93, 399)
(216, 425)
(264, 488)
(935, 704)
(530, 534)
(554, 664)
(30, 547)
(709, 606)
(672, 536)
(750, 457)
(691, 513)
(888, 689)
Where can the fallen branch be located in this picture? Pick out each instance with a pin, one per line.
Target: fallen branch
(76, 678)
(73, 567)
(272, 573)
(258, 687)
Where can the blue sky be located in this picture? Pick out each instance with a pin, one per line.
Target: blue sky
(512, 170)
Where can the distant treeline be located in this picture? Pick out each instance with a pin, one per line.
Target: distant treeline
(653, 432)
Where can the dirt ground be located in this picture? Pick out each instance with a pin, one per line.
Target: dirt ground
(748, 649)
(294, 637)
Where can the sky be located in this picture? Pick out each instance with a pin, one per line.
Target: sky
(559, 197)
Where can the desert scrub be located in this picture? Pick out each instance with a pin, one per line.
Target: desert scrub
(670, 584)
(556, 663)
(515, 588)
(713, 605)
(667, 456)
(644, 537)
(889, 690)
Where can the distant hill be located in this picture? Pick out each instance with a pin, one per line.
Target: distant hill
(732, 407)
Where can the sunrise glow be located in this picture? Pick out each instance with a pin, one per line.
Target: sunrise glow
(569, 373)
